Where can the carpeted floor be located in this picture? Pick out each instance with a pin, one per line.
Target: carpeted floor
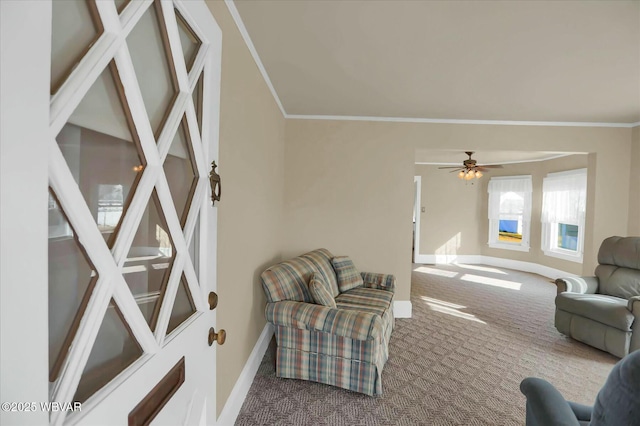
(476, 332)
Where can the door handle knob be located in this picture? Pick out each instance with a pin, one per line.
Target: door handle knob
(219, 337)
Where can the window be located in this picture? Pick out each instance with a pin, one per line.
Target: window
(564, 201)
(510, 212)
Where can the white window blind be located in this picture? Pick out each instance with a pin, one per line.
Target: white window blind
(564, 197)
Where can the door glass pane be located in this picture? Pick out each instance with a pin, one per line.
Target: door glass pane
(181, 171)
(197, 100)
(114, 350)
(194, 248)
(103, 154)
(75, 27)
(71, 280)
(151, 58)
(183, 307)
(149, 261)
(121, 4)
(189, 40)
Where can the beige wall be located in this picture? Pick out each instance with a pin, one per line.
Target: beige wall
(325, 157)
(349, 188)
(450, 224)
(634, 185)
(250, 212)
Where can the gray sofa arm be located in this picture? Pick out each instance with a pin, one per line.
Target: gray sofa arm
(634, 306)
(582, 285)
(340, 322)
(379, 281)
(545, 405)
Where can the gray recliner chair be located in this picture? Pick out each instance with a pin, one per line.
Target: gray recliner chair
(604, 311)
(617, 403)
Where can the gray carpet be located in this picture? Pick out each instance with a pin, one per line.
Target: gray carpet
(476, 332)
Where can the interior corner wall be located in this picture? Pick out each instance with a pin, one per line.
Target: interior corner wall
(349, 188)
(251, 163)
(634, 185)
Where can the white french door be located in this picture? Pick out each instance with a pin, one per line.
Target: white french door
(131, 234)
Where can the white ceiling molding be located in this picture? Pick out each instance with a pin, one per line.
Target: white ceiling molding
(245, 36)
(458, 121)
(499, 163)
(247, 39)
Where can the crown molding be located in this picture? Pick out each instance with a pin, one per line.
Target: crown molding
(254, 53)
(459, 121)
(500, 163)
(235, 14)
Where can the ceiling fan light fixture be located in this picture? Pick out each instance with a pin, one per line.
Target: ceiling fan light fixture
(478, 174)
(461, 174)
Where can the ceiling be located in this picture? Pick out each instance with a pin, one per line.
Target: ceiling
(558, 61)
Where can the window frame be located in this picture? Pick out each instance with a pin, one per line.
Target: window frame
(494, 225)
(549, 230)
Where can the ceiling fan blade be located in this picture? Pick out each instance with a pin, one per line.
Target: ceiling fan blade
(451, 167)
(456, 170)
(492, 166)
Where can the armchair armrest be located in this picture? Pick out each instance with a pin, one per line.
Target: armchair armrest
(545, 405)
(340, 322)
(584, 285)
(379, 281)
(634, 306)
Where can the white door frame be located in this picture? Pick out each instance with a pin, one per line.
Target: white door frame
(24, 136)
(417, 211)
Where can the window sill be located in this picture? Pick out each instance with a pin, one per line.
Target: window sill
(564, 256)
(506, 246)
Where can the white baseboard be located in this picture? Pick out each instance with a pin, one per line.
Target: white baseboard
(243, 384)
(535, 268)
(519, 265)
(402, 309)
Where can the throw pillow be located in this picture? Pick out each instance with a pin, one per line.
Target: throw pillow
(347, 274)
(320, 291)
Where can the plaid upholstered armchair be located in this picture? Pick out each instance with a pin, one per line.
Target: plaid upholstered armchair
(332, 324)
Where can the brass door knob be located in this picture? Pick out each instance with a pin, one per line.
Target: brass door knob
(219, 337)
(213, 300)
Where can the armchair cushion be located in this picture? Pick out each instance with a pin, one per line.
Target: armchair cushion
(619, 282)
(608, 310)
(362, 297)
(347, 274)
(634, 306)
(379, 281)
(340, 322)
(320, 291)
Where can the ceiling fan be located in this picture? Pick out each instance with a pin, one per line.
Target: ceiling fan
(470, 168)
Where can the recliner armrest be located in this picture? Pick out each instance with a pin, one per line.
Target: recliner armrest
(379, 281)
(545, 405)
(584, 285)
(358, 325)
(634, 306)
